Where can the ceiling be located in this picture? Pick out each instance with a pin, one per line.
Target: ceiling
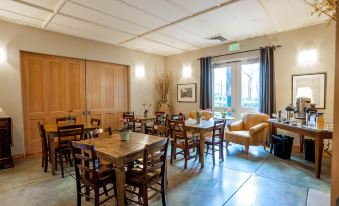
(163, 27)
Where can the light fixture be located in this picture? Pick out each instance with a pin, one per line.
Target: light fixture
(2, 55)
(186, 71)
(140, 71)
(308, 56)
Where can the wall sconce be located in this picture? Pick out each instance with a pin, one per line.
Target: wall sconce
(139, 71)
(2, 55)
(308, 56)
(186, 71)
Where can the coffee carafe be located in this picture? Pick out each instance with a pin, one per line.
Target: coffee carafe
(289, 112)
(311, 116)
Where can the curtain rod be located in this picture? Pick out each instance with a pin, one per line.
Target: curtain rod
(277, 46)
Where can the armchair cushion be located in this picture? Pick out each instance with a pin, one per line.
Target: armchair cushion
(236, 126)
(257, 128)
(252, 119)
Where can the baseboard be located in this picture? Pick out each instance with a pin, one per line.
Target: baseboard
(18, 156)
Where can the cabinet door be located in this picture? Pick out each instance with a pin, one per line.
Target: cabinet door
(52, 86)
(107, 92)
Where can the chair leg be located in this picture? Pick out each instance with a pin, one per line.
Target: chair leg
(105, 190)
(96, 196)
(246, 149)
(42, 159)
(78, 199)
(227, 143)
(207, 150)
(213, 153)
(145, 196)
(45, 163)
(61, 161)
(56, 160)
(163, 191)
(185, 157)
(70, 160)
(221, 149)
(172, 151)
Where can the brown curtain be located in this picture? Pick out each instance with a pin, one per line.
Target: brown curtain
(267, 82)
(205, 83)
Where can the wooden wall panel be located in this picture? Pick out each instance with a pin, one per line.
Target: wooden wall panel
(36, 88)
(57, 86)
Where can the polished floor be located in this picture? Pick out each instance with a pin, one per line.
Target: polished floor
(259, 179)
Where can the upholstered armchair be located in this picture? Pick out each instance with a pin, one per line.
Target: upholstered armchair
(251, 130)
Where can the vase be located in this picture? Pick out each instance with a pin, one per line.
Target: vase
(198, 120)
(163, 106)
(125, 135)
(145, 113)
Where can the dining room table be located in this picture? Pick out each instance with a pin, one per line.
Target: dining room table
(111, 148)
(144, 119)
(202, 129)
(52, 135)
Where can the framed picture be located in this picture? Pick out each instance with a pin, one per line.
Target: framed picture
(312, 86)
(187, 92)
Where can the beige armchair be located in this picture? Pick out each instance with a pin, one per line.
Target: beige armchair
(251, 130)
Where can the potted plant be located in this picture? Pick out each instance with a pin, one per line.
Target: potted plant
(125, 131)
(147, 108)
(162, 85)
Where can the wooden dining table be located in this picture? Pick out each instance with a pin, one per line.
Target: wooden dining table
(143, 120)
(112, 149)
(52, 134)
(204, 127)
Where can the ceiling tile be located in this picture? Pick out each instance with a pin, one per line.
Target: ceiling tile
(159, 37)
(194, 6)
(163, 9)
(124, 11)
(48, 4)
(252, 15)
(19, 8)
(91, 15)
(21, 19)
(151, 47)
(298, 13)
(98, 32)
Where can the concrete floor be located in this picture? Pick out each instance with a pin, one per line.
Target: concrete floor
(260, 179)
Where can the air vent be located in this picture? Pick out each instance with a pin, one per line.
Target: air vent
(217, 37)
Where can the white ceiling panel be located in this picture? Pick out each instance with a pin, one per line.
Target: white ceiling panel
(160, 8)
(123, 11)
(194, 6)
(98, 32)
(252, 15)
(159, 37)
(291, 13)
(19, 8)
(21, 19)
(101, 18)
(151, 47)
(48, 4)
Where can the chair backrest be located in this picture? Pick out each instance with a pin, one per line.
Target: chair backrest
(177, 129)
(128, 115)
(70, 130)
(179, 116)
(155, 159)
(252, 119)
(95, 122)
(95, 133)
(218, 129)
(86, 163)
(160, 118)
(43, 137)
(59, 120)
(161, 130)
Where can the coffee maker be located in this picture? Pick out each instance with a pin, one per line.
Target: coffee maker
(302, 104)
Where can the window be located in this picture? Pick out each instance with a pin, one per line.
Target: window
(250, 85)
(236, 85)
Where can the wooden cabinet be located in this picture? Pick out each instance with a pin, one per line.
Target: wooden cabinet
(6, 159)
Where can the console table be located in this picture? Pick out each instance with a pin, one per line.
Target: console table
(318, 134)
(6, 159)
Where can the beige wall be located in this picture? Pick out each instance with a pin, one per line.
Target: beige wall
(335, 154)
(321, 36)
(16, 37)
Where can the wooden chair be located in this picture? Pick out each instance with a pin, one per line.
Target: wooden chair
(160, 119)
(95, 133)
(181, 141)
(45, 156)
(216, 139)
(95, 122)
(91, 175)
(160, 130)
(129, 117)
(59, 120)
(151, 172)
(179, 116)
(66, 134)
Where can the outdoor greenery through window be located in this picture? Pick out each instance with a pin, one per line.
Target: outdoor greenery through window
(250, 85)
(222, 87)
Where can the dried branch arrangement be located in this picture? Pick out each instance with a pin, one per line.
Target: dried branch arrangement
(162, 83)
(326, 7)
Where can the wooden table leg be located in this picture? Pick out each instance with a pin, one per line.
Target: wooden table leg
(143, 127)
(52, 150)
(202, 144)
(301, 142)
(120, 184)
(319, 146)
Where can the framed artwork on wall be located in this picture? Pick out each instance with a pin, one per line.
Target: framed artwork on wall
(312, 86)
(187, 92)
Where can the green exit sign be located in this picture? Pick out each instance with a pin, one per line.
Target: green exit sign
(234, 47)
